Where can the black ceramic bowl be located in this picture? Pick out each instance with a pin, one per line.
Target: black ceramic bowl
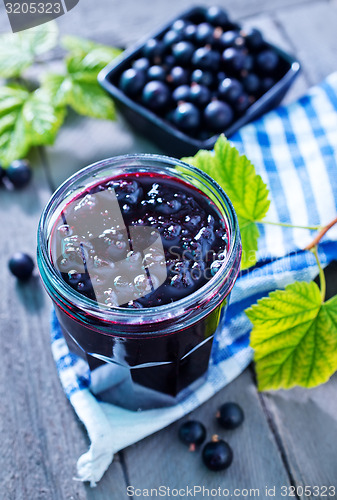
(169, 138)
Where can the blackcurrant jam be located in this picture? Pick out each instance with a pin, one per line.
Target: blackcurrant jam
(139, 254)
(93, 249)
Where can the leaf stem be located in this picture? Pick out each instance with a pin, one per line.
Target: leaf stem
(322, 281)
(320, 235)
(285, 224)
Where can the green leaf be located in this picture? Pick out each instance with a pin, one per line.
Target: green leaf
(42, 119)
(294, 337)
(18, 50)
(89, 99)
(246, 190)
(14, 140)
(26, 119)
(79, 88)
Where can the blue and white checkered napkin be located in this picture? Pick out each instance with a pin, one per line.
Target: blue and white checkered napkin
(294, 148)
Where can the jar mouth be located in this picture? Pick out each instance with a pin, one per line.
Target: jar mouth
(216, 289)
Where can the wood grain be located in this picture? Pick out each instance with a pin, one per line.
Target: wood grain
(257, 461)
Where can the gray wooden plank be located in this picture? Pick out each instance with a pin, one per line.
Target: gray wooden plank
(306, 421)
(257, 462)
(83, 141)
(41, 438)
(312, 31)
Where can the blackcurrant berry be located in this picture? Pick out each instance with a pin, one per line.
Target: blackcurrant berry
(171, 37)
(182, 93)
(267, 61)
(204, 34)
(180, 25)
(217, 454)
(192, 433)
(132, 81)
(202, 77)
(217, 16)
(19, 173)
(182, 52)
(190, 32)
(231, 39)
(230, 415)
(200, 95)
(206, 58)
(186, 116)
(230, 89)
(253, 38)
(177, 76)
(156, 95)
(21, 265)
(218, 115)
(156, 73)
(141, 64)
(153, 49)
(234, 59)
(251, 83)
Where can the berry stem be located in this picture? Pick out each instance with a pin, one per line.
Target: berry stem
(322, 281)
(320, 235)
(284, 224)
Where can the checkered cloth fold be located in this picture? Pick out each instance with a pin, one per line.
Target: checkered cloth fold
(294, 149)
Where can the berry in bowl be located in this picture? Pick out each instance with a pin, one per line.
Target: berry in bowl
(197, 77)
(139, 255)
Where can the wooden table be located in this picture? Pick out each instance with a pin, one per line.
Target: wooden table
(289, 438)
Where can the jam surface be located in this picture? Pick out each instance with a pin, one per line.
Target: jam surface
(138, 240)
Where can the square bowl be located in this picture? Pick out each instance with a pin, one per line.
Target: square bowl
(169, 138)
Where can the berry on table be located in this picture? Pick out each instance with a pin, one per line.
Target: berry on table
(19, 173)
(217, 454)
(21, 265)
(192, 433)
(230, 415)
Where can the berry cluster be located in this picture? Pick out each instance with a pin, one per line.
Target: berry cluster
(203, 73)
(216, 454)
(18, 173)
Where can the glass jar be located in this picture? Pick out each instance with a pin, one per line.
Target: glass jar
(141, 358)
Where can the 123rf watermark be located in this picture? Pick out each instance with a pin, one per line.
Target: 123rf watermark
(24, 14)
(219, 492)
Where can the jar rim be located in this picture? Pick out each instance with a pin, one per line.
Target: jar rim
(226, 274)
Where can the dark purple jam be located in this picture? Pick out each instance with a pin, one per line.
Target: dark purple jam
(139, 240)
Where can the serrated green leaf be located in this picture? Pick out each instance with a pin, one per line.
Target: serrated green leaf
(18, 50)
(247, 191)
(26, 119)
(294, 337)
(89, 99)
(42, 119)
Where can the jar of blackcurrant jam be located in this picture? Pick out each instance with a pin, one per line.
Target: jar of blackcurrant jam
(139, 254)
